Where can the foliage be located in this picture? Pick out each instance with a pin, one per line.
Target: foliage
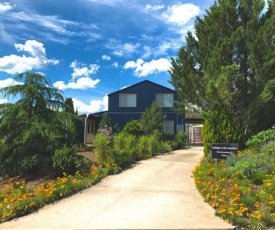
(122, 157)
(33, 127)
(163, 147)
(102, 147)
(145, 147)
(241, 188)
(133, 127)
(105, 121)
(108, 131)
(65, 161)
(18, 199)
(252, 166)
(269, 147)
(219, 127)
(123, 149)
(152, 119)
(226, 70)
(69, 105)
(180, 141)
(261, 138)
(124, 141)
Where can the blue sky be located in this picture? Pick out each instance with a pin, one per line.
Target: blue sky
(90, 48)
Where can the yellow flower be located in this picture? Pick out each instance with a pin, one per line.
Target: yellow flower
(221, 211)
(257, 204)
(32, 204)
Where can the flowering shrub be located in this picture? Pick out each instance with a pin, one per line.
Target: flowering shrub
(17, 199)
(233, 190)
(107, 131)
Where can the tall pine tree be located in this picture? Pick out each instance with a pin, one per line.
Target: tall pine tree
(226, 69)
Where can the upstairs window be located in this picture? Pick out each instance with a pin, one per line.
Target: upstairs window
(127, 100)
(165, 100)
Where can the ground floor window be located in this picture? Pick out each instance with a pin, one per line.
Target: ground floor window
(169, 127)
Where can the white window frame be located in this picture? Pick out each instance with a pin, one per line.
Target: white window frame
(172, 127)
(128, 95)
(165, 100)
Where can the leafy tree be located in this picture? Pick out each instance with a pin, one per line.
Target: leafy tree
(133, 127)
(106, 120)
(152, 119)
(69, 105)
(33, 127)
(227, 69)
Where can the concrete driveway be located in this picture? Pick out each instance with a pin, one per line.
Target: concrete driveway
(158, 193)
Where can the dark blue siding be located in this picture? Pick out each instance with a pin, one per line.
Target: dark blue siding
(146, 93)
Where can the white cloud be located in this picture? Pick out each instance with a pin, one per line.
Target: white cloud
(3, 101)
(13, 64)
(115, 64)
(93, 107)
(51, 23)
(9, 82)
(122, 49)
(105, 57)
(5, 6)
(118, 53)
(143, 69)
(80, 70)
(80, 83)
(180, 14)
(80, 77)
(154, 7)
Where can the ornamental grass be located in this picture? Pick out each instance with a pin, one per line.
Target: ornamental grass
(18, 199)
(240, 189)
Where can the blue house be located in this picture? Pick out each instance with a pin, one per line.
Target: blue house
(129, 103)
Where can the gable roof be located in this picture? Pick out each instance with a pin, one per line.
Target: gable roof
(139, 83)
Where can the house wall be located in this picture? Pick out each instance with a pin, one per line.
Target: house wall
(146, 93)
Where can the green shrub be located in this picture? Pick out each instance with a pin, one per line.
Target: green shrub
(133, 127)
(261, 138)
(144, 147)
(65, 161)
(102, 147)
(268, 148)
(130, 143)
(122, 158)
(250, 165)
(164, 147)
(123, 149)
(84, 164)
(180, 141)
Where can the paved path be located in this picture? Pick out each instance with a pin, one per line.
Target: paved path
(158, 193)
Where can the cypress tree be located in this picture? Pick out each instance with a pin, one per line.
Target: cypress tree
(226, 69)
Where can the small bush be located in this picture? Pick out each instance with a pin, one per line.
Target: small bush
(65, 161)
(268, 148)
(123, 149)
(102, 147)
(252, 166)
(133, 127)
(261, 138)
(84, 164)
(144, 147)
(122, 157)
(180, 141)
(164, 147)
